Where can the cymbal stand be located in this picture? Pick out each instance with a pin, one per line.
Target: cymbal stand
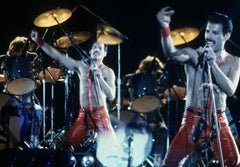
(169, 99)
(67, 111)
(51, 131)
(44, 92)
(44, 104)
(81, 52)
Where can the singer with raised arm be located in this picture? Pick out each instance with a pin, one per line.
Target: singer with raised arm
(206, 92)
(96, 85)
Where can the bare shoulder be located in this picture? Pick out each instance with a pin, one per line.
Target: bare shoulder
(231, 59)
(107, 70)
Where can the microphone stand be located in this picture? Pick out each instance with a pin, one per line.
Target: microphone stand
(119, 58)
(78, 49)
(215, 115)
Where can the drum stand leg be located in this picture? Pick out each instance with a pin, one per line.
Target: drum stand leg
(51, 132)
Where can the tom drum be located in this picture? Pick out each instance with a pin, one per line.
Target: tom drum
(19, 76)
(144, 93)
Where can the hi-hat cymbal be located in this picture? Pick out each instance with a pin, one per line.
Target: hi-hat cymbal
(77, 37)
(108, 35)
(52, 17)
(184, 35)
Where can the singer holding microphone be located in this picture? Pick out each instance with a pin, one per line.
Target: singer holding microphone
(198, 121)
(96, 85)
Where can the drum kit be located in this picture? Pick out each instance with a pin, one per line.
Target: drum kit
(20, 77)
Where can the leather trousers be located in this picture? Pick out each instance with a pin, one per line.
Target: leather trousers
(97, 120)
(182, 145)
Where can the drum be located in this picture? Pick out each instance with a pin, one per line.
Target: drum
(52, 71)
(144, 93)
(28, 100)
(13, 121)
(19, 75)
(134, 141)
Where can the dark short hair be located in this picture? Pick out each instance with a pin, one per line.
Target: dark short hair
(222, 19)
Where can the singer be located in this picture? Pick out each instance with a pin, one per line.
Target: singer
(223, 78)
(96, 86)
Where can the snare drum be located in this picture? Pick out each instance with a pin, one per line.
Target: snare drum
(19, 75)
(13, 121)
(144, 93)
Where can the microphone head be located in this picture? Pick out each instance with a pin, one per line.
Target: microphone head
(208, 44)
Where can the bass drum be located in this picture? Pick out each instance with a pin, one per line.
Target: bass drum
(13, 122)
(134, 141)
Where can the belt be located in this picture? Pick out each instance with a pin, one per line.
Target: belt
(94, 108)
(201, 111)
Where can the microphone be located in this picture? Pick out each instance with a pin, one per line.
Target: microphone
(207, 45)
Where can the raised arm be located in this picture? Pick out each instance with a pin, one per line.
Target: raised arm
(169, 50)
(52, 52)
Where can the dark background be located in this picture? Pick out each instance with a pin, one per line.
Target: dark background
(134, 19)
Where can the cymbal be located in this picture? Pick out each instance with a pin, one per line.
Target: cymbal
(184, 35)
(2, 78)
(108, 35)
(176, 92)
(51, 74)
(52, 17)
(77, 37)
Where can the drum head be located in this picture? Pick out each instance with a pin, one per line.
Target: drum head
(144, 93)
(13, 122)
(19, 75)
(133, 142)
(146, 103)
(21, 86)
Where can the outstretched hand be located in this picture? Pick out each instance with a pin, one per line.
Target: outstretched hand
(164, 16)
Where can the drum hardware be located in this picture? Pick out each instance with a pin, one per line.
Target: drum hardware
(175, 91)
(49, 136)
(13, 122)
(51, 133)
(68, 102)
(34, 110)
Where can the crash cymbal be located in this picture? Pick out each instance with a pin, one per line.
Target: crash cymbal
(77, 37)
(184, 35)
(52, 17)
(108, 35)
